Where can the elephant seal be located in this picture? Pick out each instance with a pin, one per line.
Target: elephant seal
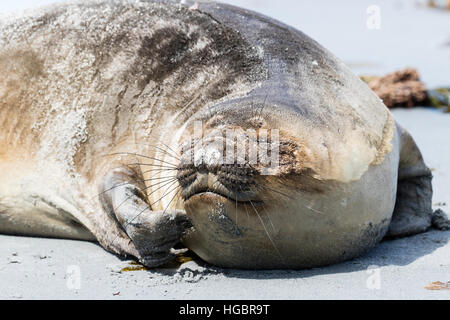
(101, 103)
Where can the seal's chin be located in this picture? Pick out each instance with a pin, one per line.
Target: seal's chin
(226, 232)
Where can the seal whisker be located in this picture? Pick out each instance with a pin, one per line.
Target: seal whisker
(158, 178)
(246, 210)
(171, 153)
(307, 207)
(169, 148)
(159, 170)
(267, 232)
(162, 186)
(166, 193)
(151, 165)
(114, 187)
(142, 156)
(160, 149)
(150, 205)
(267, 213)
(274, 190)
(121, 185)
(268, 216)
(154, 185)
(174, 196)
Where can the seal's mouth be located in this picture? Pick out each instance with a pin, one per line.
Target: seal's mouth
(221, 192)
(232, 183)
(207, 193)
(193, 192)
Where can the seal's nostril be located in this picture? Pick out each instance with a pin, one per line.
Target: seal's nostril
(202, 168)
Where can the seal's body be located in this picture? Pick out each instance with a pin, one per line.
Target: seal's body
(97, 98)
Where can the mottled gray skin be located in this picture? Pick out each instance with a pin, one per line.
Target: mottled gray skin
(98, 101)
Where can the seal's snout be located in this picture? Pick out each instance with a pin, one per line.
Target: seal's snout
(206, 168)
(234, 182)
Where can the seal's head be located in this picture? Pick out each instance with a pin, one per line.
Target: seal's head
(268, 186)
(247, 186)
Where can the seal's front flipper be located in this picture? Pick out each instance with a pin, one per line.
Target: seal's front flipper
(153, 233)
(413, 213)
